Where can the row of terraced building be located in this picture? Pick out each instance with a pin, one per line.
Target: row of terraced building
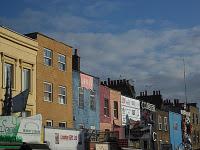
(68, 98)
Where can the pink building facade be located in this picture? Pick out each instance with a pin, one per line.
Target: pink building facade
(105, 109)
(116, 117)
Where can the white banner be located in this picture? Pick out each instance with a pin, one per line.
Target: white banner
(63, 139)
(130, 108)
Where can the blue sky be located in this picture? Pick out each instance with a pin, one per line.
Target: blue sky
(141, 40)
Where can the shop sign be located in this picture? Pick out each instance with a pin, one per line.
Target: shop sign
(148, 106)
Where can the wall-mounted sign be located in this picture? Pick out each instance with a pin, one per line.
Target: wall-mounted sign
(148, 106)
(130, 109)
(30, 129)
(27, 129)
(63, 138)
(86, 81)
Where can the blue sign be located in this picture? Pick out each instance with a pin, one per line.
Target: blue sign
(175, 130)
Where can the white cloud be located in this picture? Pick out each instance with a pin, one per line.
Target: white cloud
(151, 57)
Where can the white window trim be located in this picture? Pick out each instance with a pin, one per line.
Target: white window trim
(47, 56)
(92, 94)
(51, 122)
(48, 91)
(13, 71)
(115, 110)
(59, 94)
(107, 108)
(80, 91)
(30, 88)
(159, 122)
(64, 122)
(64, 63)
(165, 123)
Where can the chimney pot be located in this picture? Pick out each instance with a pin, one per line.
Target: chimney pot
(111, 82)
(108, 81)
(105, 83)
(114, 82)
(153, 92)
(120, 81)
(145, 93)
(117, 81)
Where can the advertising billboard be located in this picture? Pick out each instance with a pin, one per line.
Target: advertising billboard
(86, 81)
(175, 130)
(130, 109)
(63, 139)
(24, 129)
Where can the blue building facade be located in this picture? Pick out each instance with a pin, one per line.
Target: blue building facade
(175, 130)
(85, 101)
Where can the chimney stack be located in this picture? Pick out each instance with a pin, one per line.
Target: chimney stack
(76, 61)
(145, 93)
(115, 82)
(108, 81)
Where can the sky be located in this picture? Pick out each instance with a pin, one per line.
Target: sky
(144, 41)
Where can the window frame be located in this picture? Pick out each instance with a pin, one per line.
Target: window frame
(61, 63)
(30, 79)
(47, 57)
(51, 98)
(106, 108)
(61, 95)
(92, 100)
(159, 122)
(5, 73)
(81, 102)
(49, 121)
(166, 123)
(116, 110)
(63, 122)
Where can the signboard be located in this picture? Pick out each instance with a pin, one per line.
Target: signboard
(86, 81)
(30, 129)
(100, 146)
(9, 125)
(27, 129)
(175, 129)
(130, 109)
(62, 139)
(148, 106)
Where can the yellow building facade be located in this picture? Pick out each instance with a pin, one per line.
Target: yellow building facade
(54, 81)
(18, 60)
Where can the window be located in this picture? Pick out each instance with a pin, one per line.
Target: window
(62, 124)
(92, 100)
(26, 80)
(49, 123)
(47, 91)
(81, 97)
(26, 113)
(197, 119)
(8, 74)
(106, 107)
(61, 62)
(133, 112)
(159, 122)
(165, 124)
(116, 109)
(62, 95)
(47, 57)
